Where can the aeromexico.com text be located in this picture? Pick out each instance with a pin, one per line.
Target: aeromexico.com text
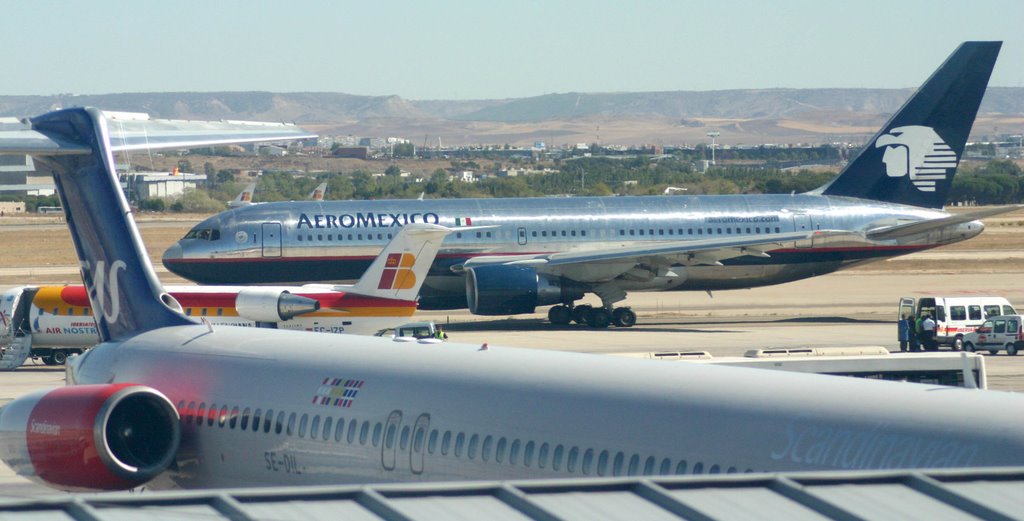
(365, 220)
(743, 219)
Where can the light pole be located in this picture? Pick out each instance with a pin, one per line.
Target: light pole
(713, 134)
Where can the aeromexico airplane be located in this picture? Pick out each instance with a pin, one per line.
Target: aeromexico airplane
(887, 201)
(171, 402)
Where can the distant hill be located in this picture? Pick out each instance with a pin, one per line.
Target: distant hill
(776, 115)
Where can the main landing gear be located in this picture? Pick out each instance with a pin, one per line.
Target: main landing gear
(594, 317)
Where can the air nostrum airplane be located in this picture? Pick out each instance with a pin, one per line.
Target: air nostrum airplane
(541, 251)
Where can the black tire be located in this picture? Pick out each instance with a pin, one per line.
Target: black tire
(1011, 349)
(48, 360)
(969, 347)
(624, 317)
(958, 343)
(993, 351)
(580, 313)
(559, 315)
(598, 318)
(59, 357)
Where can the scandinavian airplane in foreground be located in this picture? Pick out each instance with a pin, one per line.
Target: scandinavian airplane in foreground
(886, 202)
(168, 402)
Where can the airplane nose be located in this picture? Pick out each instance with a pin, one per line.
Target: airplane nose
(173, 253)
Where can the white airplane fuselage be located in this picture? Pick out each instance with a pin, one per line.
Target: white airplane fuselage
(444, 412)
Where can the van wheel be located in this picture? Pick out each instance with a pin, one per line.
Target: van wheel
(993, 351)
(48, 360)
(1011, 349)
(59, 357)
(958, 343)
(969, 347)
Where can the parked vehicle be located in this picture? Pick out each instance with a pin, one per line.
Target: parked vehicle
(955, 316)
(997, 334)
(412, 332)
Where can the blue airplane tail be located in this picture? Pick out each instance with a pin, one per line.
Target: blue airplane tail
(77, 146)
(913, 158)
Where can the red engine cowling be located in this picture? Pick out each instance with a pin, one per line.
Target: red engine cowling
(90, 437)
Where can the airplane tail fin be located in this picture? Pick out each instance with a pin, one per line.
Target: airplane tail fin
(76, 146)
(244, 198)
(400, 269)
(913, 158)
(318, 193)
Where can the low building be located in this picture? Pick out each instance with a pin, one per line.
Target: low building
(18, 176)
(153, 185)
(351, 152)
(10, 207)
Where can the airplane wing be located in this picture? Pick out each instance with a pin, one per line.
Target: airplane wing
(914, 228)
(133, 131)
(664, 255)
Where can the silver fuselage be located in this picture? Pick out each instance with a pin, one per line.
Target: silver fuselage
(335, 240)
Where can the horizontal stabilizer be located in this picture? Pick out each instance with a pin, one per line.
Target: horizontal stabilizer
(905, 230)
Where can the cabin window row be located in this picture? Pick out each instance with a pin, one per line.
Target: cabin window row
(309, 237)
(86, 312)
(204, 311)
(502, 450)
(257, 420)
(557, 457)
(728, 230)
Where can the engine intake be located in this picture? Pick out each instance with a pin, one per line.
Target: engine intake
(272, 305)
(511, 290)
(90, 437)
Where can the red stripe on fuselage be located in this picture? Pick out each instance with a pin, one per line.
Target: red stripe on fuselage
(347, 257)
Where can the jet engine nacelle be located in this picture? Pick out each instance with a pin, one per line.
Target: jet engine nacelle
(90, 437)
(272, 305)
(511, 290)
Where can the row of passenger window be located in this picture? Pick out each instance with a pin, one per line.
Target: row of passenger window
(633, 232)
(289, 424)
(204, 311)
(558, 457)
(728, 230)
(71, 311)
(309, 237)
(500, 450)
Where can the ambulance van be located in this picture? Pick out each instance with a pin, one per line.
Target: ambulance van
(955, 316)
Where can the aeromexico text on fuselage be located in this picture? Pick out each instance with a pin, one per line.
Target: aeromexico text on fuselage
(391, 220)
(364, 220)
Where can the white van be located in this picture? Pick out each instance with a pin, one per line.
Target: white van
(997, 333)
(955, 316)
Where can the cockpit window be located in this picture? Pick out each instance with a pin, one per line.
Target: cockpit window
(205, 234)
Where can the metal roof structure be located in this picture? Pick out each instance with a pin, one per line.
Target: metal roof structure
(973, 493)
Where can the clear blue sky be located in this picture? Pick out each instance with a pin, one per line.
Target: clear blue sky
(491, 49)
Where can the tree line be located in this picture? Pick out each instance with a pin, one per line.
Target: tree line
(994, 182)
